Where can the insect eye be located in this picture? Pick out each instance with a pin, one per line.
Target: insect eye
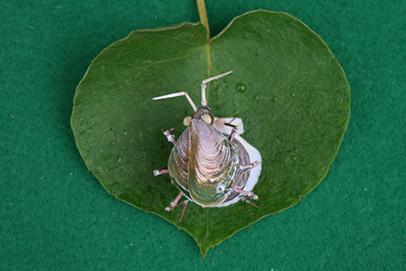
(187, 121)
(206, 118)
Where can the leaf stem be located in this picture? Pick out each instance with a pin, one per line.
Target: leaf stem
(203, 15)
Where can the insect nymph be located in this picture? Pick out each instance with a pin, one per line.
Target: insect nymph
(210, 163)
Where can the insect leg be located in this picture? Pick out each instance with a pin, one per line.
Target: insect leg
(233, 131)
(204, 85)
(247, 201)
(232, 135)
(161, 171)
(174, 202)
(185, 202)
(249, 195)
(177, 94)
(169, 136)
(249, 166)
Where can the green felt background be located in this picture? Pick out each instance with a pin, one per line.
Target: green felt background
(54, 214)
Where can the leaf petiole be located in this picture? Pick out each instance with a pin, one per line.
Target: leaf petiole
(203, 16)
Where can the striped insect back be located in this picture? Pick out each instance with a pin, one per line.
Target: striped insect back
(210, 163)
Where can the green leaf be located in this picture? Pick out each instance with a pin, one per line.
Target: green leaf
(287, 87)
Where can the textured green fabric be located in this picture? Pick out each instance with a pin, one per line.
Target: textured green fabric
(55, 215)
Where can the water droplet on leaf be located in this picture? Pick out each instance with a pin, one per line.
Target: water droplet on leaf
(240, 87)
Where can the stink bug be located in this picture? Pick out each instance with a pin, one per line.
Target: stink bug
(210, 163)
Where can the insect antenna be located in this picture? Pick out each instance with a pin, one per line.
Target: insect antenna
(177, 94)
(204, 85)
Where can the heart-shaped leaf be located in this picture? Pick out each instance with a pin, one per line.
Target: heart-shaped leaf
(287, 87)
